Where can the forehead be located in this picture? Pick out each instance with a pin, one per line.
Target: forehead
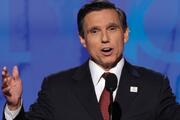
(101, 17)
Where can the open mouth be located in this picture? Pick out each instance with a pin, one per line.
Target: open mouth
(106, 51)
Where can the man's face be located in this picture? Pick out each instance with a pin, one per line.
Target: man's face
(104, 38)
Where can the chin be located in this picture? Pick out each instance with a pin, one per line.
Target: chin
(108, 65)
(110, 62)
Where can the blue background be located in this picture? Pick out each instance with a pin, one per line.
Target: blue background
(40, 36)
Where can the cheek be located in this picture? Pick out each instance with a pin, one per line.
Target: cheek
(91, 46)
(119, 45)
(92, 43)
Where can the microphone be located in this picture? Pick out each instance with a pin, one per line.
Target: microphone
(116, 112)
(111, 82)
(111, 85)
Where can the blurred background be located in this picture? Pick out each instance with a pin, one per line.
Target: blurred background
(40, 36)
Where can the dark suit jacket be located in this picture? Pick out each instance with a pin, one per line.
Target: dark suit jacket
(70, 95)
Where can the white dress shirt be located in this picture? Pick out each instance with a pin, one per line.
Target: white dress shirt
(98, 80)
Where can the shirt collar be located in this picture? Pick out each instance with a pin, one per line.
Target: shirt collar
(97, 71)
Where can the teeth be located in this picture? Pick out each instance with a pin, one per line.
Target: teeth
(106, 49)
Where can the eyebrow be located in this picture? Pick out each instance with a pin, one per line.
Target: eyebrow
(113, 25)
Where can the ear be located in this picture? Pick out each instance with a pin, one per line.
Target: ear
(126, 35)
(82, 41)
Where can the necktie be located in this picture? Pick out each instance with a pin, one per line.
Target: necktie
(104, 101)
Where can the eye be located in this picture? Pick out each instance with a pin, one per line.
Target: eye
(94, 31)
(113, 28)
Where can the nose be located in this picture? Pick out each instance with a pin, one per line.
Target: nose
(105, 37)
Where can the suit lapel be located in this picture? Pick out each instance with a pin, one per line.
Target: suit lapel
(84, 91)
(125, 96)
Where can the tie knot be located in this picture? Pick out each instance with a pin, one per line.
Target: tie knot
(106, 74)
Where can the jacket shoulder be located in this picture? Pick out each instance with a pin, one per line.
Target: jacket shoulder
(143, 71)
(65, 77)
(146, 75)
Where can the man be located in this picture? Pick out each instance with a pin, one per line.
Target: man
(76, 93)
